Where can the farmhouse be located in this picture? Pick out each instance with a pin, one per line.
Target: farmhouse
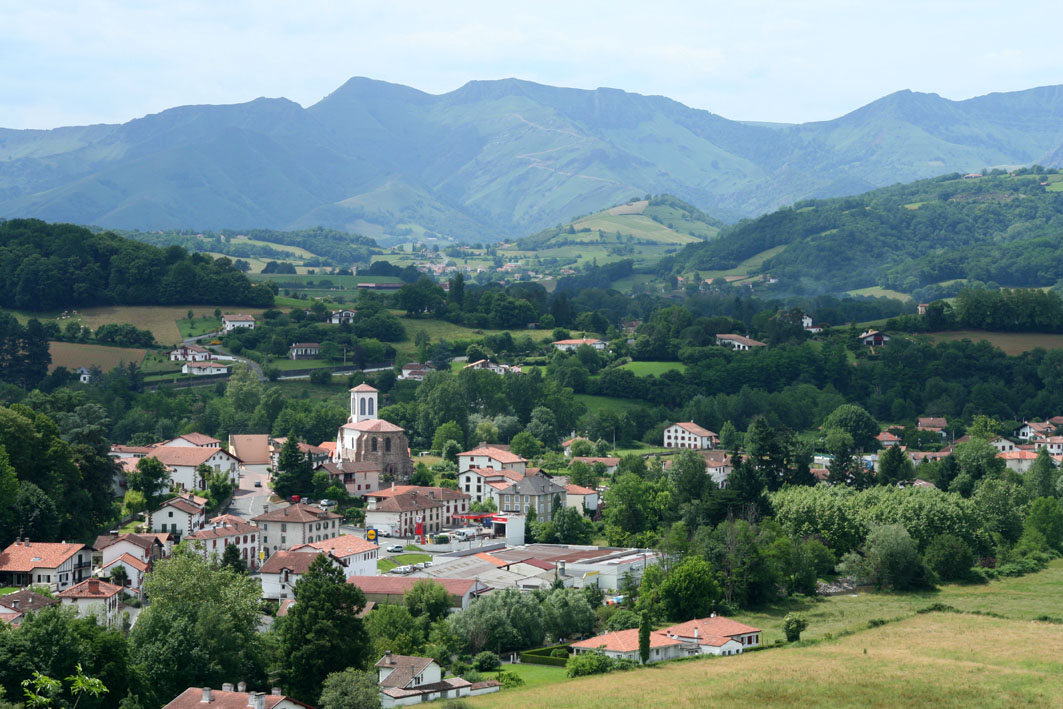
(178, 516)
(566, 445)
(739, 343)
(198, 440)
(93, 597)
(231, 322)
(491, 457)
(687, 434)
(571, 345)
(582, 498)
(610, 463)
(408, 680)
(493, 367)
(887, 439)
(702, 636)
(183, 463)
(189, 353)
(1031, 430)
(342, 317)
(936, 424)
(874, 338)
(304, 350)
(54, 564)
(208, 367)
(415, 372)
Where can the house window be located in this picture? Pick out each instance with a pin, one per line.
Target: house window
(361, 407)
(171, 513)
(387, 445)
(374, 445)
(370, 407)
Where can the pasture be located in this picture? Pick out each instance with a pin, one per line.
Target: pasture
(1012, 343)
(73, 355)
(880, 292)
(602, 403)
(935, 659)
(637, 225)
(643, 369)
(744, 268)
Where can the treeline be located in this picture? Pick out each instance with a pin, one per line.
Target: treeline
(24, 353)
(1019, 310)
(1002, 228)
(60, 266)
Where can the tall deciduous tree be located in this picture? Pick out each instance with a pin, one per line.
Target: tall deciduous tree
(351, 689)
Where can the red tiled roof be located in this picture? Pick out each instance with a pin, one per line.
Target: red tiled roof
(297, 562)
(328, 446)
(931, 422)
(179, 503)
(403, 669)
(224, 529)
(297, 513)
(24, 557)
(691, 427)
(606, 461)
(342, 546)
(724, 627)
(252, 448)
(192, 698)
(577, 490)
(184, 456)
(364, 387)
(238, 317)
(144, 541)
(407, 502)
(131, 560)
(201, 439)
(26, 600)
(91, 588)
(374, 426)
(741, 339)
(580, 341)
(495, 454)
(624, 641)
(886, 436)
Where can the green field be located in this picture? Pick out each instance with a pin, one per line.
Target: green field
(198, 326)
(385, 565)
(602, 403)
(745, 267)
(636, 225)
(1012, 343)
(284, 364)
(338, 282)
(936, 659)
(536, 675)
(643, 369)
(879, 292)
(1054, 187)
(441, 329)
(73, 355)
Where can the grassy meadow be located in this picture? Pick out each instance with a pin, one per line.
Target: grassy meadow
(73, 355)
(643, 369)
(1012, 343)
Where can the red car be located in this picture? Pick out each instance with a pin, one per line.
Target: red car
(294, 499)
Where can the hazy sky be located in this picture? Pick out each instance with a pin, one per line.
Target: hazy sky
(93, 61)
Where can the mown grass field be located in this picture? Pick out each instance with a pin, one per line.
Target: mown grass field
(1012, 343)
(637, 225)
(745, 267)
(601, 403)
(303, 279)
(73, 355)
(441, 329)
(936, 659)
(880, 292)
(385, 565)
(537, 675)
(643, 369)
(199, 325)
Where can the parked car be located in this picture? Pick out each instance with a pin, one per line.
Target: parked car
(327, 503)
(395, 549)
(294, 499)
(258, 483)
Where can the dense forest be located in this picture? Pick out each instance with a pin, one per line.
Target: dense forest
(59, 266)
(1000, 228)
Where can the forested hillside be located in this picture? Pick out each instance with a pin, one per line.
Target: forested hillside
(61, 266)
(1001, 228)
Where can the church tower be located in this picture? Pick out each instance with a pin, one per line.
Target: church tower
(363, 403)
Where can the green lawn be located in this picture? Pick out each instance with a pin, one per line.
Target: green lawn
(198, 326)
(284, 364)
(643, 369)
(8, 589)
(880, 292)
(385, 565)
(536, 675)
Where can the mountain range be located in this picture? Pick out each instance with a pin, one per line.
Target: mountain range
(493, 159)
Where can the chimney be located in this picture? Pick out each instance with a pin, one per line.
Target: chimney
(696, 634)
(94, 585)
(260, 700)
(208, 696)
(387, 657)
(265, 508)
(241, 687)
(275, 691)
(26, 542)
(285, 511)
(114, 534)
(227, 686)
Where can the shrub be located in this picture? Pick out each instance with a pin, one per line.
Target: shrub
(441, 539)
(510, 680)
(949, 557)
(793, 625)
(559, 652)
(486, 661)
(321, 376)
(588, 663)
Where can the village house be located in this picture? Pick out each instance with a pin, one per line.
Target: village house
(887, 439)
(178, 516)
(1019, 461)
(15, 605)
(55, 564)
(189, 353)
(739, 343)
(491, 457)
(84, 375)
(392, 589)
(357, 556)
(484, 483)
(134, 569)
(809, 326)
(206, 368)
(687, 434)
(224, 530)
(283, 569)
(718, 465)
(342, 317)
(193, 440)
(253, 451)
(136, 452)
(581, 498)
(572, 345)
(1054, 444)
(93, 597)
(1031, 430)
(297, 524)
(454, 502)
(405, 515)
(231, 322)
(316, 455)
(935, 424)
(406, 680)
(227, 698)
(493, 367)
(358, 478)
(566, 445)
(414, 371)
(608, 462)
(533, 492)
(702, 636)
(183, 463)
(874, 338)
(145, 548)
(304, 350)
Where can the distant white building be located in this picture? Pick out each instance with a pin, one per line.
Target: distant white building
(342, 317)
(183, 463)
(231, 322)
(357, 556)
(189, 353)
(200, 369)
(493, 367)
(701, 636)
(406, 680)
(224, 530)
(283, 570)
(739, 343)
(687, 434)
(575, 344)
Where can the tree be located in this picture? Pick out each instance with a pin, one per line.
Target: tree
(351, 689)
(392, 628)
(889, 560)
(244, 389)
(855, 421)
(295, 475)
(43, 691)
(793, 624)
(690, 590)
(729, 438)
(525, 446)
(503, 621)
(949, 557)
(486, 661)
(230, 559)
(149, 478)
(322, 632)
(119, 576)
(689, 477)
(543, 426)
(427, 600)
(623, 619)
(449, 431)
(894, 466)
(566, 612)
(1046, 518)
(1040, 479)
(644, 637)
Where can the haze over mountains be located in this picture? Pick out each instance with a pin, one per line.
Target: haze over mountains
(493, 159)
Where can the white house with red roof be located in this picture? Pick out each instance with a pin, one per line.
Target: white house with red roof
(135, 571)
(566, 445)
(146, 548)
(455, 502)
(189, 353)
(581, 498)
(183, 463)
(359, 478)
(205, 368)
(610, 463)
(574, 344)
(55, 564)
(224, 530)
(739, 343)
(290, 526)
(484, 483)
(357, 556)
(702, 636)
(493, 367)
(687, 434)
(1032, 430)
(198, 440)
(491, 457)
(230, 322)
(93, 597)
(283, 569)
(226, 698)
(887, 439)
(934, 424)
(406, 680)
(179, 516)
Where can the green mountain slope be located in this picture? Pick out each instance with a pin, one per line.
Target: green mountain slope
(1003, 228)
(493, 159)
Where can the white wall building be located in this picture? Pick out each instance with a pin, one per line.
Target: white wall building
(357, 556)
(224, 530)
(490, 457)
(294, 525)
(201, 369)
(183, 461)
(93, 597)
(231, 322)
(687, 434)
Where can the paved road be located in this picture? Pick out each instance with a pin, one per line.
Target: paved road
(250, 501)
